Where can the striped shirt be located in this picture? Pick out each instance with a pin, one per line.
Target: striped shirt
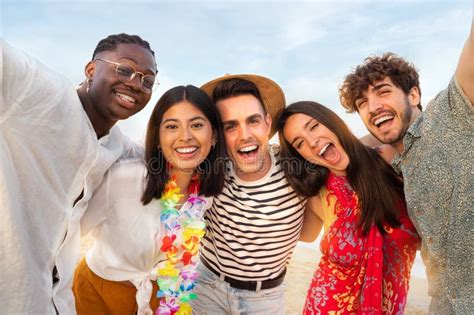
(253, 227)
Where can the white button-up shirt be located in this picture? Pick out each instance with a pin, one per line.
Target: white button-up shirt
(49, 154)
(128, 234)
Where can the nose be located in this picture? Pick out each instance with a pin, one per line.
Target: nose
(314, 142)
(186, 134)
(311, 138)
(244, 133)
(374, 104)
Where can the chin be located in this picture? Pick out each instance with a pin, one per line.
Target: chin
(390, 139)
(186, 166)
(249, 168)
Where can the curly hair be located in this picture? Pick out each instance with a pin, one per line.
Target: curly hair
(375, 68)
(110, 43)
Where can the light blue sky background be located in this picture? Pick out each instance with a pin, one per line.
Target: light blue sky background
(307, 47)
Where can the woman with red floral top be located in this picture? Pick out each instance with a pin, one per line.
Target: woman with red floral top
(369, 243)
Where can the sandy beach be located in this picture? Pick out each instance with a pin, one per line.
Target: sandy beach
(300, 271)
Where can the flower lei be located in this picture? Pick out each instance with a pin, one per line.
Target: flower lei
(181, 241)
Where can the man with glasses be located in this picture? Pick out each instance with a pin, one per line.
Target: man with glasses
(56, 143)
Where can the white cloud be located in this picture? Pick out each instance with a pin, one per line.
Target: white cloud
(306, 46)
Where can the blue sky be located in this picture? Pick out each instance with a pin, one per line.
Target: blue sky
(307, 47)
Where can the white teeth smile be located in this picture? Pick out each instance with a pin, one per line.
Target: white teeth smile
(380, 120)
(324, 149)
(186, 150)
(125, 97)
(248, 149)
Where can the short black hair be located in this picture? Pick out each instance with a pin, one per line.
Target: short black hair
(110, 43)
(235, 87)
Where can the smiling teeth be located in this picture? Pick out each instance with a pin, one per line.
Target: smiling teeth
(186, 150)
(382, 119)
(248, 149)
(126, 97)
(324, 149)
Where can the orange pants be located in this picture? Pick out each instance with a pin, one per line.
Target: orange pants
(95, 295)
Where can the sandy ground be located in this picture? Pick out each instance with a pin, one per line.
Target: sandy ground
(300, 271)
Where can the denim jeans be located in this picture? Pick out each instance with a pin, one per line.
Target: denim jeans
(216, 297)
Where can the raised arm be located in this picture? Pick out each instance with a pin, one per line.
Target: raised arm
(465, 69)
(15, 75)
(312, 223)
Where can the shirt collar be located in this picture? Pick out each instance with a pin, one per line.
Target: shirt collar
(413, 132)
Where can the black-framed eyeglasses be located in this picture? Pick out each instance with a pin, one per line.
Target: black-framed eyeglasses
(127, 73)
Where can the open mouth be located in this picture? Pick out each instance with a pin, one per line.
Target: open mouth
(248, 152)
(126, 100)
(186, 150)
(381, 121)
(329, 153)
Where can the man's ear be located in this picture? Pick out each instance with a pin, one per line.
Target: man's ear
(414, 96)
(268, 121)
(89, 70)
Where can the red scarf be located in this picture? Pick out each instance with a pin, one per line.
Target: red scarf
(360, 274)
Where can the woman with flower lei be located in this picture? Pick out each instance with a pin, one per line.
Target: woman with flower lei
(369, 243)
(146, 216)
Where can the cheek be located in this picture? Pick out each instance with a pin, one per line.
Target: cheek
(264, 131)
(206, 143)
(146, 98)
(364, 114)
(167, 152)
(307, 155)
(166, 145)
(229, 139)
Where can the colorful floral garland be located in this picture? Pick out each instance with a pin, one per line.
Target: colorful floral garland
(182, 235)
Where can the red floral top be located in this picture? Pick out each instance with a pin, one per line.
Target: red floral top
(360, 274)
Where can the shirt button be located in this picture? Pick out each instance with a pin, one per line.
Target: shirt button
(429, 240)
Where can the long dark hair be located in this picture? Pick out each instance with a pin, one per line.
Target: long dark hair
(376, 184)
(211, 169)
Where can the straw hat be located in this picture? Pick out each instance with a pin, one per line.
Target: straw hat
(272, 95)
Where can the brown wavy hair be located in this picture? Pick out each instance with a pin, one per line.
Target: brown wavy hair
(376, 184)
(375, 68)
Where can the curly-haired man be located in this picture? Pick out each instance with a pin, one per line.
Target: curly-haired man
(435, 150)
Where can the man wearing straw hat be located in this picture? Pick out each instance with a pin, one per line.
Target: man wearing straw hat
(255, 223)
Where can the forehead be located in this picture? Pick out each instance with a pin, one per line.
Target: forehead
(377, 84)
(135, 54)
(239, 107)
(183, 111)
(295, 124)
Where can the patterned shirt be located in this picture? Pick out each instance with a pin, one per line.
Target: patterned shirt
(438, 171)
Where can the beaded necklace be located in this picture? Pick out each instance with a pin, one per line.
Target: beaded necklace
(183, 231)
